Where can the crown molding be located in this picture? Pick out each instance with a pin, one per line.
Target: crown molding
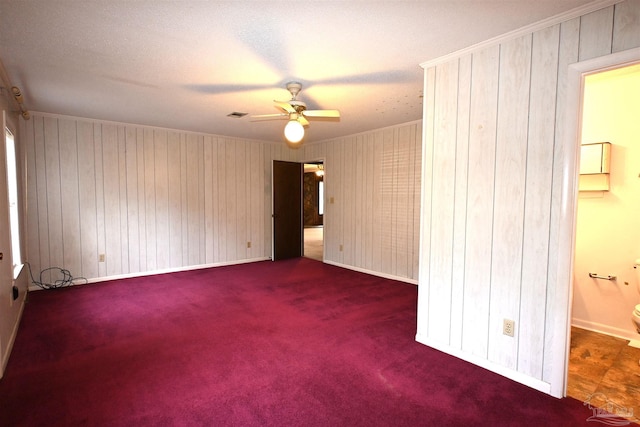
(528, 29)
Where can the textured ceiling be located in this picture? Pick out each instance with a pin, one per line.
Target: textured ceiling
(188, 64)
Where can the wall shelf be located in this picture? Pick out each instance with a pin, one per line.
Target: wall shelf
(595, 161)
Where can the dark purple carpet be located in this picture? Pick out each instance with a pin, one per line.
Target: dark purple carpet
(287, 343)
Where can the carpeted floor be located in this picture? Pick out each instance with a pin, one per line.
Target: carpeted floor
(288, 343)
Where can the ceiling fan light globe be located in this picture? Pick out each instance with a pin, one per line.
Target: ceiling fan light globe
(293, 132)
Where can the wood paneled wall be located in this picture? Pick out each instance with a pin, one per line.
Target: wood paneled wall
(154, 199)
(149, 199)
(492, 189)
(372, 200)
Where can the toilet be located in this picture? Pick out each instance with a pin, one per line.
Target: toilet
(636, 318)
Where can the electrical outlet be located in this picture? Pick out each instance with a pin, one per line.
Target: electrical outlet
(340, 248)
(508, 327)
(248, 245)
(101, 258)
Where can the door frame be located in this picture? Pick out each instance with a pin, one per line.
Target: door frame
(570, 146)
(322, 161)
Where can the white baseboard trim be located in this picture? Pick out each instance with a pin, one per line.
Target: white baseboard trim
(161, 271)
(373, 273)
(14, 333)
(625, 334)
(488, 365)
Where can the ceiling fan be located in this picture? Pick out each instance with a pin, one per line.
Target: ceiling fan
(295, 111)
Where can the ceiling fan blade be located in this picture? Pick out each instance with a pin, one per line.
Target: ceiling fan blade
(270, 116)
(226, 88)
(321, 113)
(302, 120)
(285, 106)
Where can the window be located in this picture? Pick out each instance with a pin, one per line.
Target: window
(14, 216)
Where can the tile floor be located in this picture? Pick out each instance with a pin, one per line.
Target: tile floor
(605, 371)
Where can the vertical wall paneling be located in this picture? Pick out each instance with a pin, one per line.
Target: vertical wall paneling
(133, 220)
(184, 199)
(39, 208)
(162, 198)
(369, 207)
(508, 217)
(148, 199)
(208, 189)
(122, 181)
(358, 201)
(193, 192)
(481, 169)
(139, 200)
(53, 193)
(152, 199)
(69, 196)
(458, 276)
(256, 202)
(376, 199)
(99, 185)
(442, 207)
(149, 186)
(111, 185)
(535, 256)
(340, 196)
(32, 238)
(267, 166)
(626, 21)
(413, 199)
(388, 262)
(331, 217)
(241, 204)
(568, 48)
(230, 202)
(201, 198)
(426, 206)
(402, 199)
(596, 30)
(174, 194)
(223, 228)
(512, 184)
(344, 202)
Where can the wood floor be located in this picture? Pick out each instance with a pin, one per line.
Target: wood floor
(605, 372)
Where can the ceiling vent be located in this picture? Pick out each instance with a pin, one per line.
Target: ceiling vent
(237, 115)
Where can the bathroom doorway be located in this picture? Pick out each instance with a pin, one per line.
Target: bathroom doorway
(605, 287)
(313, 210)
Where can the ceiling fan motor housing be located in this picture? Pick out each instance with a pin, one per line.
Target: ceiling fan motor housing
(298, 105)
(294, 88)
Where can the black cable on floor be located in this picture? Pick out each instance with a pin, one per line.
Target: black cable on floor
(66, 280)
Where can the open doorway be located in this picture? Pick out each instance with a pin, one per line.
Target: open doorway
(605, 284)
(313, 210)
